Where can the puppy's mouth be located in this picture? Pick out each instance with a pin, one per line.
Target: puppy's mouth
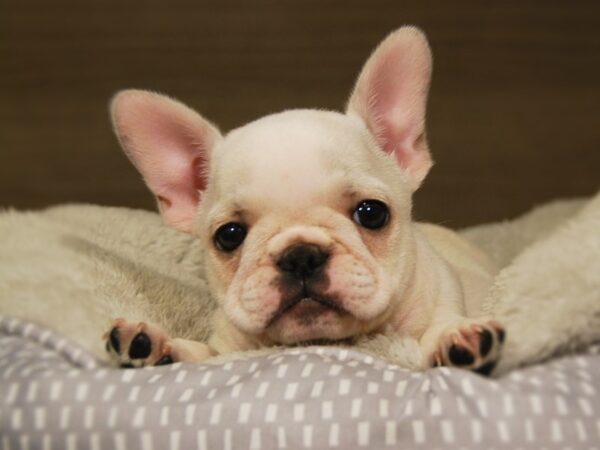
(307, 304)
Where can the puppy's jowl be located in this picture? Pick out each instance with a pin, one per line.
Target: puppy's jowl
(306, 218)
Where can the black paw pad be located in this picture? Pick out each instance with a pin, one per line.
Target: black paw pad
(486, 369)
(485, 344)
(501, 335)
(127, 366)
(164, 361)
(460, 356)
(141, 346)
(113, 338)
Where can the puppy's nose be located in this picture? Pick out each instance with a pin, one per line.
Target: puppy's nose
(302, 260)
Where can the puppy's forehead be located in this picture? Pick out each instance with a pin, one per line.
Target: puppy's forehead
(294, 136)
(291, 156)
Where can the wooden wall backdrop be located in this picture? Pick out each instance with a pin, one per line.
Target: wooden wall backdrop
(514, 112)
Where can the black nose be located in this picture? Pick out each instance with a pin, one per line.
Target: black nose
(302, 260)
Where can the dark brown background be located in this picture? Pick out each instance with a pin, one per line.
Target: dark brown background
(513, 119)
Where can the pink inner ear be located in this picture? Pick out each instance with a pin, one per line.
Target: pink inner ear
(391, 96)
(406, 142)
(169, 144)
(397, 99)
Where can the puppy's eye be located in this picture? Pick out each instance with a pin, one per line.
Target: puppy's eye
(230, 236)
(371, 214)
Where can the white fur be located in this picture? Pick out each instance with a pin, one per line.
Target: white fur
(295, 178)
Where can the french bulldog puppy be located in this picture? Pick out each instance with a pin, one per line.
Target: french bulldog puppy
(306, 220)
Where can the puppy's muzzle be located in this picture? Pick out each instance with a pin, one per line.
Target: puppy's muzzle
(303, 261)
(302, 281)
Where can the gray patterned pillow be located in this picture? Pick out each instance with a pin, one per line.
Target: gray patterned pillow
(53, 395)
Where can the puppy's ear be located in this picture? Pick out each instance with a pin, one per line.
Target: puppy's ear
(170, 145)
(390, 96)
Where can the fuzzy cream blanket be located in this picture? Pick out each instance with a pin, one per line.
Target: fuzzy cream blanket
(75, 267)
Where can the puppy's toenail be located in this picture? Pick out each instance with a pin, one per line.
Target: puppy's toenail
(501, 335)
(460, 356)
(114, 340)
(485, 345)
(164, 361)
(127, 366)
(141, 346)
(486, 369)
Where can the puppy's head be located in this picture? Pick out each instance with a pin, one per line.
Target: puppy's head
(305, 214)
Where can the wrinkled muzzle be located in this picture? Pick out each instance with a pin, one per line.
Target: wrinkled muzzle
(307, 286)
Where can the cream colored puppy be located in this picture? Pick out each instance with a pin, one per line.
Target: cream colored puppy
(306, 218)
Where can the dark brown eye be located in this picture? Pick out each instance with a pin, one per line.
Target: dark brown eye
(230, 236)
(371, 214)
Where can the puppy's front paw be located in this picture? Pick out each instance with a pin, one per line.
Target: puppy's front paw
(137, 344)
(472, 345)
